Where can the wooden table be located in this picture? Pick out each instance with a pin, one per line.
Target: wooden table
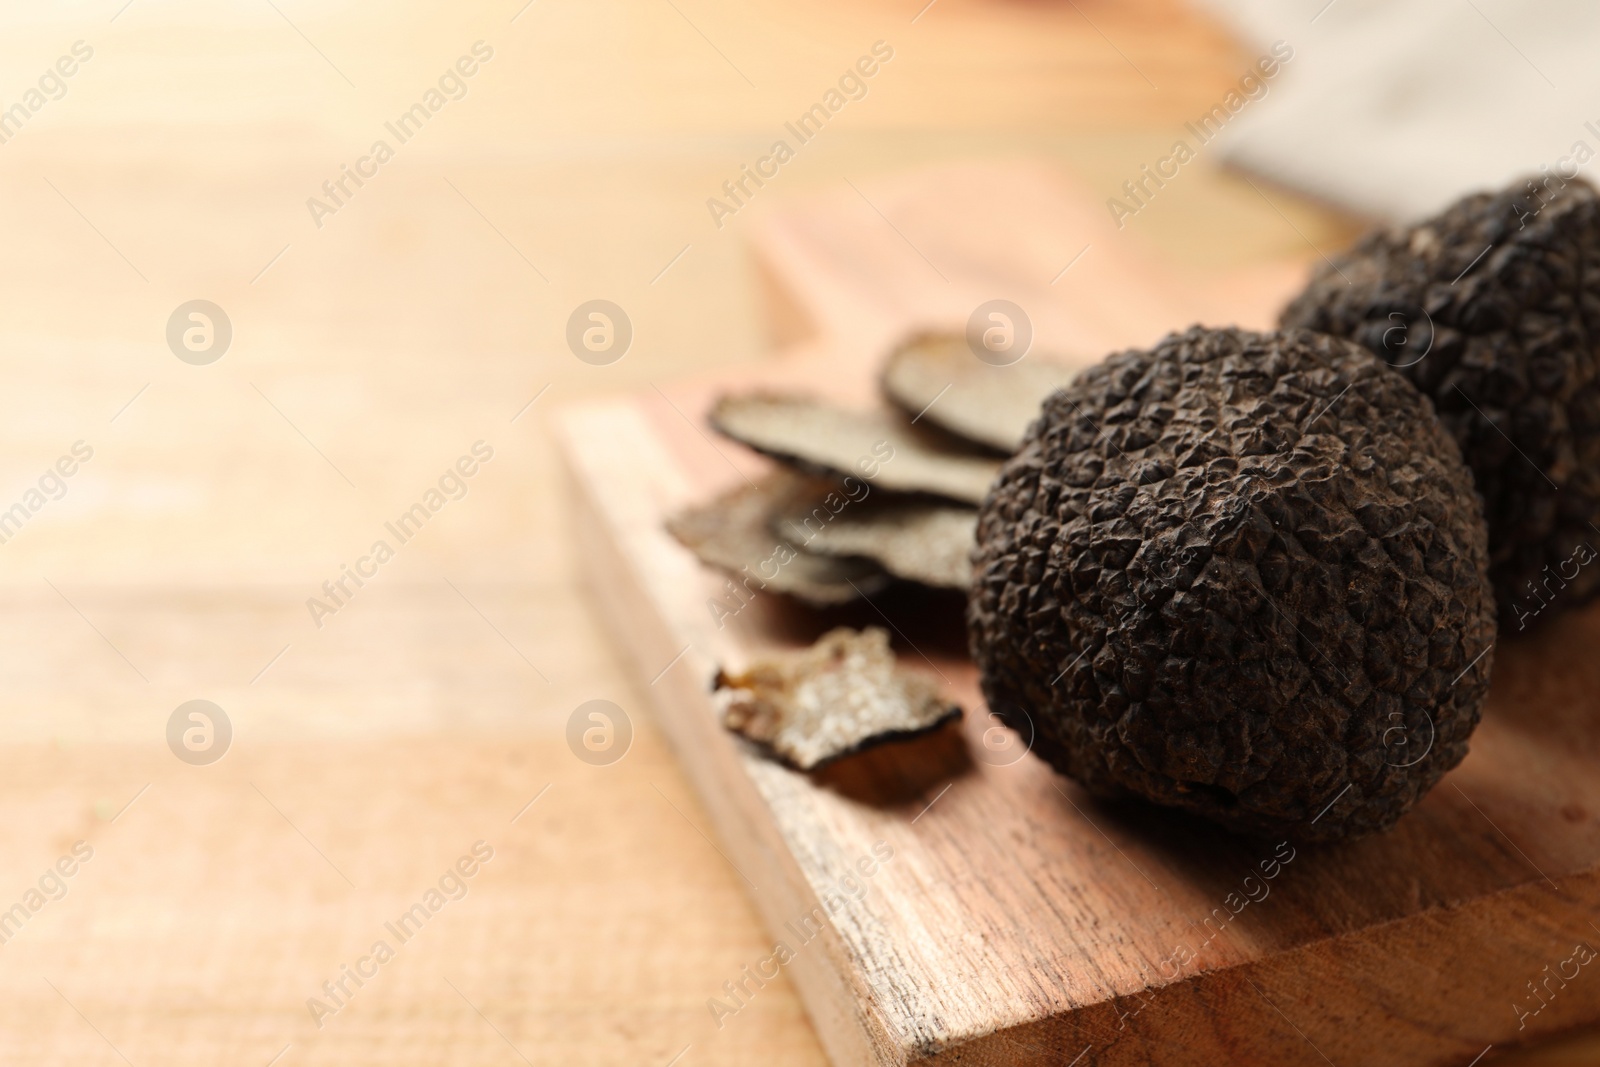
(371, 752)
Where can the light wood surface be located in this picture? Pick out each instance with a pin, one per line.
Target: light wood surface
(416, 321)
(1018, 920)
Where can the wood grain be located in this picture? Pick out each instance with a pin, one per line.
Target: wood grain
(411, 324)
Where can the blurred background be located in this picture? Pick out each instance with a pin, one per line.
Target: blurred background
(362, 337)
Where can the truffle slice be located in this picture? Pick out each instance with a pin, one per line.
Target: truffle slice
(937, 377)
(880, 447)
(921, 541)
(1243, 574)
(735, 533)
(839, 696)
(1493, 309)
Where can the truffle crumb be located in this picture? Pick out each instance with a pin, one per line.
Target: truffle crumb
(841, 695)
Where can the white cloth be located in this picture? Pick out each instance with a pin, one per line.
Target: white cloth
(1394, 108)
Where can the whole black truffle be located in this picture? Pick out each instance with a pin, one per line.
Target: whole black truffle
(1243, 574)
(1492, 309)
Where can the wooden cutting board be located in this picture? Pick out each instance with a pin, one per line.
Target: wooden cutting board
(953, 900)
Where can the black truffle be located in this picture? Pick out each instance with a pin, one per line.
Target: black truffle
(1243, 574)
(1492, 309)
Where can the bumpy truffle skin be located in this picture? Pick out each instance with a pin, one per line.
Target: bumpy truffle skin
(1492, 309)
(1243, 574)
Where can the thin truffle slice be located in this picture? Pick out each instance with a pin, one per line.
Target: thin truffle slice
(1493, 309)
(881, 447)
(1244, 574)
(923, 541)
(735, 533)
(841, 695)
(937, 376)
